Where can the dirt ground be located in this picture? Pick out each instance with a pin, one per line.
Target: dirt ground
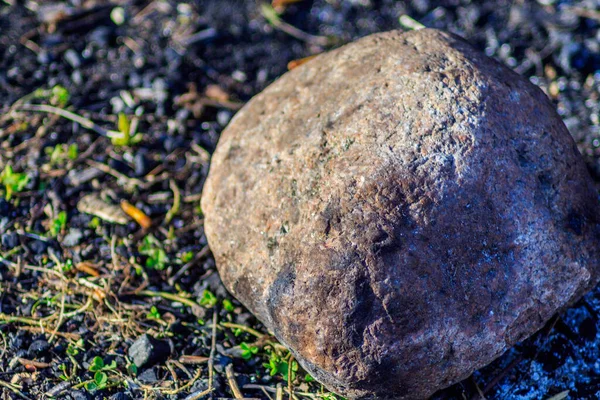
(109, 112)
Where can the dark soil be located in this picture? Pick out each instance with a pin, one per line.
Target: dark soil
(75, 285)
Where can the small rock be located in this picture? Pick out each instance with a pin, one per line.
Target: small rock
(10, 240)
(38, 347)
(221, 362)
(72, 238)
(5, 208)
(77, 395)
(400, 211)
(38, 247)
(147, 351)
(223, 117)
(77, 178)
(119, 396)
(72, 58)
(140, 163)
(148, 376)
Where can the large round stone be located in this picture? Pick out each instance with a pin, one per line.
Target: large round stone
(400, 211)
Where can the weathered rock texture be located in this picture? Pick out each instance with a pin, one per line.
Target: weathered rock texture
(400, 211)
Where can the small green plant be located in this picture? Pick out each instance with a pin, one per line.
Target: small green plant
(65, 376)
(59, 96)
(187, 257)
(208, 299)
(94, 223)
(98, 364)
(98, 367)
(58, 224)
(278, 365)
(248, 351)
(60, 153)
(153, 314)
(156, 257)
(124, 135)
(67, 266)
(132, 368)
(228, 305)
(73, 348)
(13, 182)
(98, 383)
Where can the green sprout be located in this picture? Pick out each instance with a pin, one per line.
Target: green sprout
(94, 223)
(248, 350)
(132, 368)
(98, 364)
(98, 383)
(58, 224)
(187, 257)
(59, 96)
(153, 314)
(98, 367)
(60, 153)
(124, 135)
(67, 266)
(228, 305)
(208, 299)
(73, 348)
(278, 365)
(156, 256)
(13, 182)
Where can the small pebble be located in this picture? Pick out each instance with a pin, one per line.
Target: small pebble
(10, 240)
(119, 396)
(147, 351)
(148, 376)
(78, 395)
(38, 247)
(72, 238)
(38, 347)
(140, 163)
(72, 58)
(223, 117)
(4, 208)
(221, 362)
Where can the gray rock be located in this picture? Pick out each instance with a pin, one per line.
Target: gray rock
(148, 376)
(147, 351)
(400, 211)
(72, 238)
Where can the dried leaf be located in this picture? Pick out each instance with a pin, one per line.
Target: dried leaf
(215, 92)
(193, 359)
(30, 364)
(138, 215)
(296, 63)
(283, 3)
(87, 268)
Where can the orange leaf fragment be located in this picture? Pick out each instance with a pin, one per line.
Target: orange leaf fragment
(283, 3)
(138, 215)
(215, 92)
(296, 63)
(87, 268)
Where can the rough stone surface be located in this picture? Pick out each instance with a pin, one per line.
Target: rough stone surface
(400, 211)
